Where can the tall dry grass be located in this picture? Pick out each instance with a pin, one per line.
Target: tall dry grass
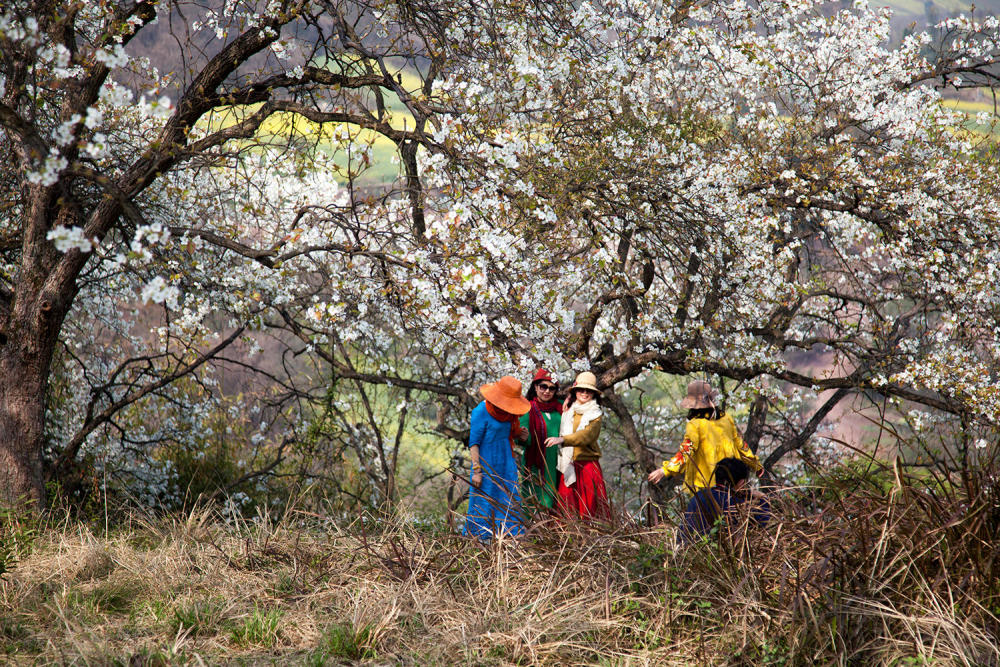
(859, 574)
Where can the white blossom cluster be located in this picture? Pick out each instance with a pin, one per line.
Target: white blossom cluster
(55, 69)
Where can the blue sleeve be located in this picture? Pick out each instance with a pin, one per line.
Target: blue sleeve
(477, 426)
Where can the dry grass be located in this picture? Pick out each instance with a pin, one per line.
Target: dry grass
(818, 587)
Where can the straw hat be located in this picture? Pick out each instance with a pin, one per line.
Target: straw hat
(505, 393)
(700, 396)
(586, 380)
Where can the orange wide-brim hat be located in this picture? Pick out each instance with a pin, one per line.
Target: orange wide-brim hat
(505, 393)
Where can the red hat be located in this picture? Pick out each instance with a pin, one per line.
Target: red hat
(505, 393)
(542, 374)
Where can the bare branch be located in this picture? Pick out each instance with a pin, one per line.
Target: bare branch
(72, 448)
(803, 436)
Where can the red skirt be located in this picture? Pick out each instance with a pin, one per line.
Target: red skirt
(588, 497)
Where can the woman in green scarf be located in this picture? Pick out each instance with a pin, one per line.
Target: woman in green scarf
(541, 476)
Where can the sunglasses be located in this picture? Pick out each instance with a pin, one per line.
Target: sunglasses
(546, 387)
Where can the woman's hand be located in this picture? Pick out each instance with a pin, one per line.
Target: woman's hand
(657, 476)
(477, 467)
(552, 442)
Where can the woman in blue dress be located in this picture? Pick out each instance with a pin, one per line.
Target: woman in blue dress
(494, 501)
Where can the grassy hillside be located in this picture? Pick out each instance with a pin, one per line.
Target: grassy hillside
(861, 571)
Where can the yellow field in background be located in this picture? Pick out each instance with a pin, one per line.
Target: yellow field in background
(337, 138)
(969, 107)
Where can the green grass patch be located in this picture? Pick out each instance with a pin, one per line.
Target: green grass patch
(117, 597)
(197, 618)
(17, 537)
(15, 636)
(342, 641)
(260, 628)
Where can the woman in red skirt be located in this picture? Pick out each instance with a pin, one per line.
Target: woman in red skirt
(581, 487)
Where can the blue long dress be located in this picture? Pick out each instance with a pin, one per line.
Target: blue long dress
(495, 507)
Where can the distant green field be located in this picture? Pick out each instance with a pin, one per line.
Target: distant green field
(383, 166)
(970, 109)
(916, 7)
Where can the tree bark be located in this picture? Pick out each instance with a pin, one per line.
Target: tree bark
(24, 372)
(31, 321)
(756, 422)
(21, 423)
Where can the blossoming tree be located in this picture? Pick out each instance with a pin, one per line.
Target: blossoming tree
(720, 188)
(621, 186)
(110, 190)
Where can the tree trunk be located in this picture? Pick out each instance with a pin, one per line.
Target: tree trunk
(31, 325)
(22, 422)
(661, 493)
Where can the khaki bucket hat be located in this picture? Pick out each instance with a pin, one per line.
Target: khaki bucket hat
(700, 396)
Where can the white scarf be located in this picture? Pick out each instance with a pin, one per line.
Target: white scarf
(588, 412)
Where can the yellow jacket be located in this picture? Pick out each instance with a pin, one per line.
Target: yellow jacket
(706, 442)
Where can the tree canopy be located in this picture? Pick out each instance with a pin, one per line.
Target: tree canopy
(621, 186)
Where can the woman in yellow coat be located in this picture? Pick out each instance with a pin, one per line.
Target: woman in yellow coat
(710, 436)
